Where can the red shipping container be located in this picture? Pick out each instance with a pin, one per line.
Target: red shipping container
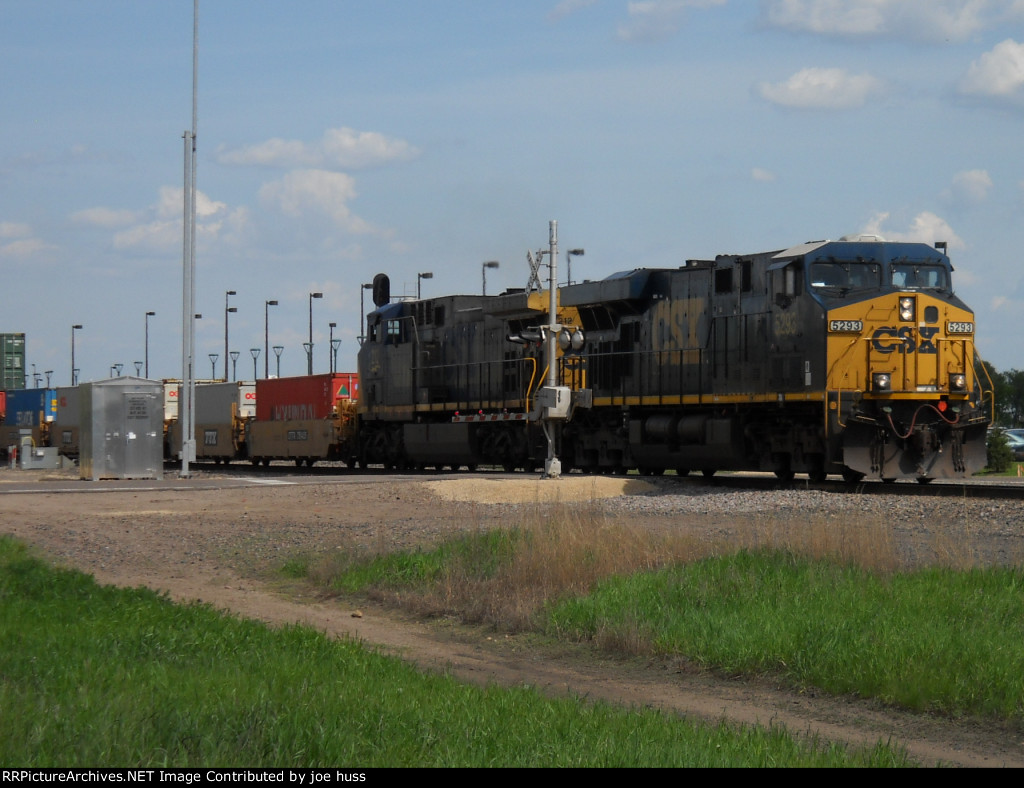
(306, 397)
(3, 405)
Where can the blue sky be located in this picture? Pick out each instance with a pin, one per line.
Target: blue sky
(338, 139)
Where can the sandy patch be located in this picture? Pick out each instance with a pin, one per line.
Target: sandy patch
(563, 490)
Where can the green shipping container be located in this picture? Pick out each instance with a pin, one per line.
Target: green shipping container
(12, 365)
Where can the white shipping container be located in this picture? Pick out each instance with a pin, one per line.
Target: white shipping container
(217, 403)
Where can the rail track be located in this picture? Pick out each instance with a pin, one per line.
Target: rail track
(999, 488)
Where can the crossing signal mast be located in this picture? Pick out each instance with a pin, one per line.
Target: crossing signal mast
(552, 402)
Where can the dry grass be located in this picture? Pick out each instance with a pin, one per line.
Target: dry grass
(559, 550)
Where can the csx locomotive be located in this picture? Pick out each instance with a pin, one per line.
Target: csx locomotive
(849, 357)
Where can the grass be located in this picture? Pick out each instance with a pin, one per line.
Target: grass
(936, 640)
(818, 604)
(99, 676)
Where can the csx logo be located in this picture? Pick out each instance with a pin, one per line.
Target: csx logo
(889, 339)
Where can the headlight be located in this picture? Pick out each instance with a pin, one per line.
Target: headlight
(881, 381)
(957, 381)
(907, 309)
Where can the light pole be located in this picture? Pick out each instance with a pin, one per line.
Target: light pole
(335, 344)
(148, 316)
(569, 254)
(227, 309)
(213, 366)
(48, 373)
(255, 355)
(483, 270)
(234, 365)
(74, 377)
(278, 350)
(332, 351)
(309, 350)
(116, 369)
(138, 368)
(362, 313)
(266, 341)
(419, 278)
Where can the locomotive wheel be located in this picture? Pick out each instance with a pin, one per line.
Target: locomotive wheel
(784, 475)
(851, 476)
(924, 480)
(682, 471)
(708, 472)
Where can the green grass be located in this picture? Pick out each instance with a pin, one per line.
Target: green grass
(931, 640)
(938, 640)
(98, 676)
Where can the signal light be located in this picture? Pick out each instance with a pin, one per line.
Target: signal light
(957, 381)
(943, 406)
(907, 310)
(881, 381)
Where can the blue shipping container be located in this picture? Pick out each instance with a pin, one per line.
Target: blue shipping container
(28, 407)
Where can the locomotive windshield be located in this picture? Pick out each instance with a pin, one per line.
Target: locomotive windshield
(920, 276)
(845, 276)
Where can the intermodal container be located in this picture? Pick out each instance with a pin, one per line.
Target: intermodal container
(306, 397)
(3, 406)
(31, 407)
(12, 361)
(171, 399)
(217, 403)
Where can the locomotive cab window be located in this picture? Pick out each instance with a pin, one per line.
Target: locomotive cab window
(845, 276)
(920, 276)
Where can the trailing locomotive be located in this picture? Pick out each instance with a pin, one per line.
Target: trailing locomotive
(849, 357)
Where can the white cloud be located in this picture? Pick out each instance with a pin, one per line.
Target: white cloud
(14, 230)
(821, 88)
(25, 249)
(762, 175)
(567, 7)
(970, 186)
(998, 74)
(317, 192)
(23, 246)
(926, 228)
(341, 147)
(164, 230)
(932, 20)
(104, 217)
(652, 20)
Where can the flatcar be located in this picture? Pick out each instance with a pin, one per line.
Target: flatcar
(850, 357)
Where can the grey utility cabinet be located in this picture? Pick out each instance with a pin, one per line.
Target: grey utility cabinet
(121, 429)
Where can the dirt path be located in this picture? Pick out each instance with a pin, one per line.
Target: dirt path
(209, 545)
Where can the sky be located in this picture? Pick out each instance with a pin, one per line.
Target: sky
(337, 139)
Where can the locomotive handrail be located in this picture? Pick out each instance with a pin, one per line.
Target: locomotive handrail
(533, 377)
(975, 356)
